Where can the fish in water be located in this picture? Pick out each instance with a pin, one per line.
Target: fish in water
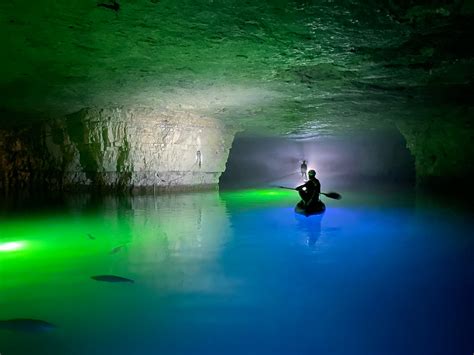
(114, 5)
(111, 278)
(90, 236)
(117, 249)
(27, 325)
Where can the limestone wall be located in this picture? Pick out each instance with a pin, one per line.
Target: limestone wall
(443, 147)
(116, 148)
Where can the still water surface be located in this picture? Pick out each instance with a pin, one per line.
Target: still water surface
(238, 273)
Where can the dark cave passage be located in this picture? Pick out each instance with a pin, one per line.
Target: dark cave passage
(368, 158)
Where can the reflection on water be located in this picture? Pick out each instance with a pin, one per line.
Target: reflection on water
(235, 273)
(311, 227)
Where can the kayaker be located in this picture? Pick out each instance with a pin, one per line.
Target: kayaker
(310, 190)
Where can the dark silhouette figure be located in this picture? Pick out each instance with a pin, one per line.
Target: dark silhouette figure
(199, 158)
(304, 169)
(309, 193)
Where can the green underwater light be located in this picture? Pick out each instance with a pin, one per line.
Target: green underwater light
(11, 246)
(259, 197)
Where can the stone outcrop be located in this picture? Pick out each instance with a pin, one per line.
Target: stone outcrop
(443, 146)
(116, 148)
(294, 68)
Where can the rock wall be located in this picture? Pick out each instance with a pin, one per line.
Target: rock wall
(443, 147)
(117, 149)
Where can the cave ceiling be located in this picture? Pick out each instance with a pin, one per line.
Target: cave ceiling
(296, 67)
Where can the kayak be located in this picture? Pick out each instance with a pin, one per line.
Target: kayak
(314, 209)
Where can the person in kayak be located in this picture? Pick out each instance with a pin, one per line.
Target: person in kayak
(310, 190)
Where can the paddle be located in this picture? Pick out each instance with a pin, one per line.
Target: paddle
(333, 195)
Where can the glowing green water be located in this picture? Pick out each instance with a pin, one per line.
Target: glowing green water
(235, 271)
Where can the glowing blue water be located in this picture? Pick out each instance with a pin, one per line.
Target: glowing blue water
(216, 276)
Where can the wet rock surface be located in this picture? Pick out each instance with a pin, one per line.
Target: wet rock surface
(118, 149)
(296, 68)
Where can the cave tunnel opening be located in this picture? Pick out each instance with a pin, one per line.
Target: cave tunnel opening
(378, 157)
